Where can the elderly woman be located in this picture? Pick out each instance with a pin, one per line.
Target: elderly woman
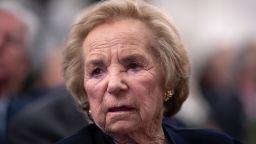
(126, 66)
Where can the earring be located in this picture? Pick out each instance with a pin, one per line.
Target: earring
(168, 95)
(89, 113)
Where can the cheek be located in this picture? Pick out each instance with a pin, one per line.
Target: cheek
(95, 95)
(94, 90)
(152, 103)
(148, 96)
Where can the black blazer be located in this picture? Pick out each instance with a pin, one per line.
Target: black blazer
(93, 135)
(46, 121)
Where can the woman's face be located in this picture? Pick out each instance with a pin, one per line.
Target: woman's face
(122, 79)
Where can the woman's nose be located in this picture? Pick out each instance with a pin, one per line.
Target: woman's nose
(116, 84)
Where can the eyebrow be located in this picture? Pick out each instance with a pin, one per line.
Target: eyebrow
(94, 62)
(134, 57)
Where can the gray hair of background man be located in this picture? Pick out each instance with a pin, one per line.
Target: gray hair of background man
(28, 18)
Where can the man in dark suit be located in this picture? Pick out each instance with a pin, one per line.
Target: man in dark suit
(47, 120)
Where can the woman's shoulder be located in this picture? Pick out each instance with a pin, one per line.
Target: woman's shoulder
(90, 134)
(198, 136)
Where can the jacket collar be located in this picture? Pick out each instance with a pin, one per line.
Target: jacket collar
(171, 134)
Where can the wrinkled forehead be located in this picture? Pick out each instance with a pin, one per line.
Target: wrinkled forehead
(125, 34)
(120, 42)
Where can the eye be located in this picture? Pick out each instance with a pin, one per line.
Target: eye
(13, 39)
(134, 66)
(97, 72)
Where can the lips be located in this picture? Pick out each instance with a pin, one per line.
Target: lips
(121, 109)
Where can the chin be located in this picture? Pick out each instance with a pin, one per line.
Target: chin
(122, 126)
(122, 122)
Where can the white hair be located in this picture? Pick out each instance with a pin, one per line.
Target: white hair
(27, 17)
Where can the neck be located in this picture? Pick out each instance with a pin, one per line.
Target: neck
(139, 139)
(151, 134)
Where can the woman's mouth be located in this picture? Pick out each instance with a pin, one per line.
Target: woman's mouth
(121, 109)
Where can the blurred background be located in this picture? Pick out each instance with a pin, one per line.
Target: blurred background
(220, 36)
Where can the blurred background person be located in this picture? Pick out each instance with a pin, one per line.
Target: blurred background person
(17, 29)
(245, 74)
(245, 84)
(14, 59)
(55, 17)
(51, 118)
(44, 114)
(204, 23)
(215, 84)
